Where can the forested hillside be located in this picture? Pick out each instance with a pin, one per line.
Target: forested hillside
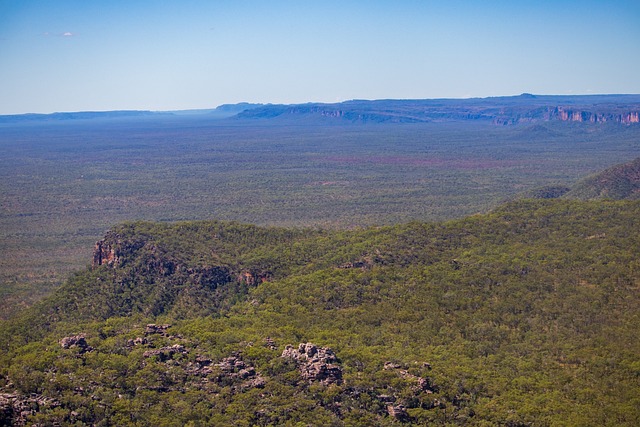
(618, 182)
(526, 316)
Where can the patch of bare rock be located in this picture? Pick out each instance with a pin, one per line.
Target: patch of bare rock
(15, 409)
(316, 364)
(78, 342)
(233, 369)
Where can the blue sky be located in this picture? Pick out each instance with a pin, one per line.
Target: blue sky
(63, 55)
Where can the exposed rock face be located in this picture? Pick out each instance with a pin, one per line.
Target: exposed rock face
(104, 254)
(201, 367)
(166, 353)
(390, 365)
(14, 408)
(232, 365)
(106, 251)
(210, 277)
(399, 412)
(422, 384)
(232, 369)
(152, 328)
(160, 282)
(254, 277)
(310, 352)
(137, 341)
(113, 248)
(316, 364)
(572, 115)
(321, 372)
(270, 343)
(77, 341)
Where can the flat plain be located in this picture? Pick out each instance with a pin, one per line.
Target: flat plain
(64, 183)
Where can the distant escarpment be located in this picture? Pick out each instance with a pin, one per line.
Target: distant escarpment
(505, 110)
(595, 116)
(526, 108)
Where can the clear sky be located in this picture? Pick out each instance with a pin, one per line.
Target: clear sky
(68, 55)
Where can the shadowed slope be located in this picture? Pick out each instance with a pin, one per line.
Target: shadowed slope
(618, 182)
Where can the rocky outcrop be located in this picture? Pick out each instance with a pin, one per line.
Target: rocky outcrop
(233, 369)
(15, 409)
(399, 412)
(157, 280)
(421, 384)
(137, 341)
(270, 343)
(165, 353)
(200, 367)
(152, 328)
(113, 248)
(76, 341)
(252, 278)
(316, 364)
(104, 254)
(390, 366)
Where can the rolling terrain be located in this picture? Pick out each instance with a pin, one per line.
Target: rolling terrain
(67, 178)
(527, 315)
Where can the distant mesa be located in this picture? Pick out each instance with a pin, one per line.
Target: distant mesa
(510, 110)
(237, 108)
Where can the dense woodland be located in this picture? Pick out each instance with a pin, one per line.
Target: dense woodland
(524, 316)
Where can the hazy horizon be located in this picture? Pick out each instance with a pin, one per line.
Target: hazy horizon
(70, 55)
(319, 102)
